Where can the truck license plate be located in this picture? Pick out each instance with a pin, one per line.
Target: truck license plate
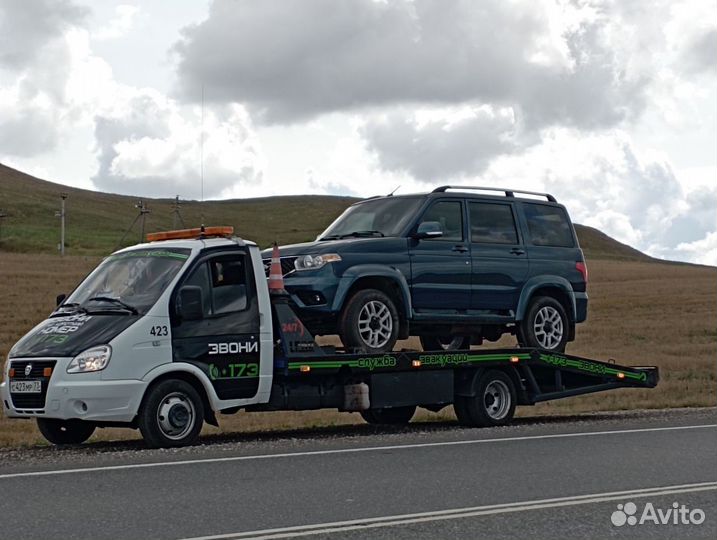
(26, 387)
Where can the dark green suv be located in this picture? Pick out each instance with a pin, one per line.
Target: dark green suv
(455, 267)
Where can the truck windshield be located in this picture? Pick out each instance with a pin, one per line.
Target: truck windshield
(380, 217)
(131, 281)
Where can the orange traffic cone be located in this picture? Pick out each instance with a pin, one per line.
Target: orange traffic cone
(276, 276)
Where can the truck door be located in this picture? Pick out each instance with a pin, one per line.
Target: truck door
(441, 267)
(498, 256)
(224, 341)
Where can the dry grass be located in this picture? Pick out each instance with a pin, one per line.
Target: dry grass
(641, 313)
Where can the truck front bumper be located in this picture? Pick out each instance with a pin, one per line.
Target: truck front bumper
(90, 399)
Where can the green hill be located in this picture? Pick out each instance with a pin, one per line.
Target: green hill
(96, 222)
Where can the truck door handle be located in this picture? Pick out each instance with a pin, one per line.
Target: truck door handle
(517, 251)
(460, 249)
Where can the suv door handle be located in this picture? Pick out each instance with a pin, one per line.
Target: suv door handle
(517, 251)
(459, 248)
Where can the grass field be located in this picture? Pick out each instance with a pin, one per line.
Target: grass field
(641, 312)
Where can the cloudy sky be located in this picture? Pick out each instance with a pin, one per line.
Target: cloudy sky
(610, 105)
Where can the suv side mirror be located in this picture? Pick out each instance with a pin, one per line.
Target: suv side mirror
(429, 229)
(190, 306)
(60, 298)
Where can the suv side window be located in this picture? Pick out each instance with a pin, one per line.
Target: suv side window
(548, 225)
(492, 223)
(449, 215)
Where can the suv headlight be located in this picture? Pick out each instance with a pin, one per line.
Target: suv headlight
(94, 359)
(313, 262)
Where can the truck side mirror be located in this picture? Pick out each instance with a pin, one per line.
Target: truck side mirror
(60, 298)
(429, 229)
(190, 305)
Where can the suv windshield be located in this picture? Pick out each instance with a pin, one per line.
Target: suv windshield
(379, 217)
(131, 281)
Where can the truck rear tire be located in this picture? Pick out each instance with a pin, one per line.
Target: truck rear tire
(171, 414)
(369, 322)
(545, 325)
(445, 343)
(393, 416)
(65, 431)
(493, 404)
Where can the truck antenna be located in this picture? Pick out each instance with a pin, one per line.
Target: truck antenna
(394, 191)
(201, 159)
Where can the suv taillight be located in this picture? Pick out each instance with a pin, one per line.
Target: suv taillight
(580, 267)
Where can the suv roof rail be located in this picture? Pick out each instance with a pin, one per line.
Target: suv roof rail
(507, 192)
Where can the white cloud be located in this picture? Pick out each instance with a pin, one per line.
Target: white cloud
(153, 147)
(431, 145)
(121, 24)
(700, 251)
(292, 60)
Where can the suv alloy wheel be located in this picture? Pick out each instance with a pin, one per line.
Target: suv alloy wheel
(545, 325)
(369, 322)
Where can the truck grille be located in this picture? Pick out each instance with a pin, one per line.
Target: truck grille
(31, 401)
(287, 265)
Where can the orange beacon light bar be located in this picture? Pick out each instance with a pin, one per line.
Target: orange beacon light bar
(187, 234)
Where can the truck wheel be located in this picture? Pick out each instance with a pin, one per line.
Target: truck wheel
(545, 325)
(394, 415)
(369, 322)
(493, 404)
(445, 343)
(171, 415)
(65, 431)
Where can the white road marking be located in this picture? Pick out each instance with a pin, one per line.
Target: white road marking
(457, 513)
(345, 451)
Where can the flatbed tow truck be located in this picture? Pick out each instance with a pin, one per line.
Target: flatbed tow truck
(162, 336)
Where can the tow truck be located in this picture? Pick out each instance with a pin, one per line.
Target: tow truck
(164, 335)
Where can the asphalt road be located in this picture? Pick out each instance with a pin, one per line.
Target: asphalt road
(537, 478)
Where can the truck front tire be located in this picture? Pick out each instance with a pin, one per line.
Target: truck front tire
(369, 322)
(171, 415)
(65, 431)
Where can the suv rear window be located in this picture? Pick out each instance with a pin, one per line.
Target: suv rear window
(548, 225)
(492, 223)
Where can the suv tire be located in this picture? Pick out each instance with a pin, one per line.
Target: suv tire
(545, 325)
(369, 322)
(445, 343)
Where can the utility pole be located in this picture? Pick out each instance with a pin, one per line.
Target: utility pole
(175, 213)
(143, 211)
(61, 215)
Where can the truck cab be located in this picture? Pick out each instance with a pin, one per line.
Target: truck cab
(186, 308)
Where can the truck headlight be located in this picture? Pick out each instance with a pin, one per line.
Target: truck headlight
(314, 262)
(94, 359)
